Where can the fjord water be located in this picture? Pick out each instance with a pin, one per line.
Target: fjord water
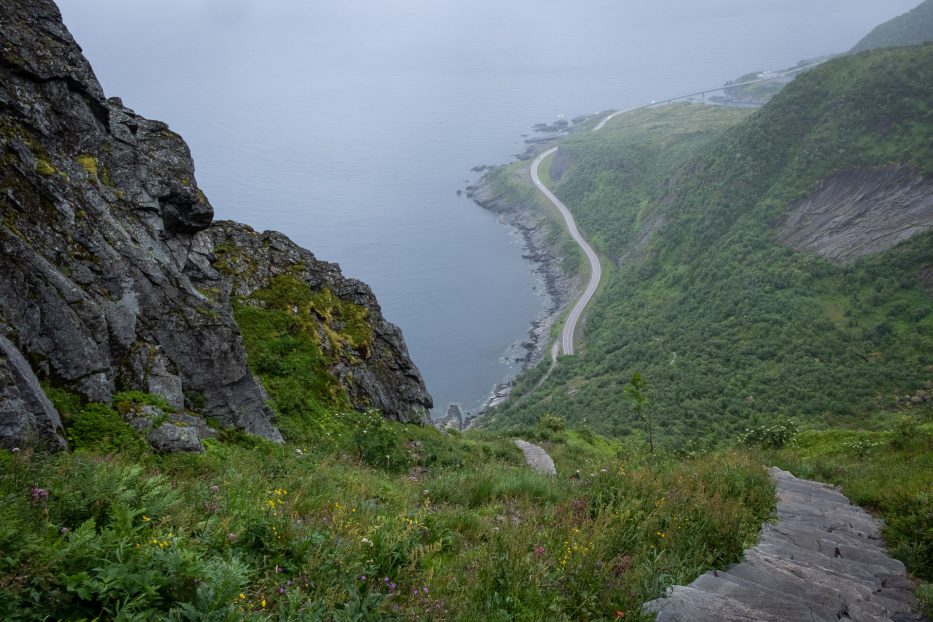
(350, 125)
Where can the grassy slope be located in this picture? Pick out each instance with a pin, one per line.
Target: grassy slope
(730, 328)
(461, 531)
(911, 28)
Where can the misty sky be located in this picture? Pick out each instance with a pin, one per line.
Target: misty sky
(139, 37)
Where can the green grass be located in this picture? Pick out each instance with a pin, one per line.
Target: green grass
(44, 168)
(293, 338)
(89, 163)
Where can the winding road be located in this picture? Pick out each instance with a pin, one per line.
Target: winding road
(566, 340)
(596, 270)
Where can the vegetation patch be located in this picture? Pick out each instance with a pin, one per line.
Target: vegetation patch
(89, 163)
(98, 427)
(44, 168)
(293, 336)
(127, 401)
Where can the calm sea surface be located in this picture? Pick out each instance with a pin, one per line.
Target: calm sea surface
(349, 125)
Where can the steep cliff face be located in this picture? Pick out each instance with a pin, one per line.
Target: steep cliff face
(362, 356)
(104, 236)
(861, 212)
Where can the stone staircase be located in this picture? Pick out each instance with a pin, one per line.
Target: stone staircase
(822, 561)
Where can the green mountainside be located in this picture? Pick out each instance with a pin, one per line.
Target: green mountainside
(731, 326)
(763, 272)
(911, 28)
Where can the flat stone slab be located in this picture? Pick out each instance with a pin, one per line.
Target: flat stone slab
(536, 458)
(822, 560)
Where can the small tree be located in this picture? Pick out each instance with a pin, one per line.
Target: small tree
(635, 392)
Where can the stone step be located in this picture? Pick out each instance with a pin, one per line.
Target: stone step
(822, 561)
(854, 569)
(802, 534)
(830, 551)
(687, 604)
(788, 584)
(763, 598)
(536, 457)
(814, 490)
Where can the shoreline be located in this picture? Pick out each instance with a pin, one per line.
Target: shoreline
(524, 216)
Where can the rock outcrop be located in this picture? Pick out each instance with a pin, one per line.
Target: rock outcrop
(536, 457)
(376, 374)
(860, 212)
(104, 236)
(27, 417)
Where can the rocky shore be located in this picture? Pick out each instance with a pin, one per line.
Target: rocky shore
(522, 214)
(560, 288)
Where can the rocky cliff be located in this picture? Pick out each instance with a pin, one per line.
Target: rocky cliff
(108, 277)
(860, 212)
(362, 355)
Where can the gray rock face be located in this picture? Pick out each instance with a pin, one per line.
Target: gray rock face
(822, 561)
(102, 240)
(861, 212)
(100, 209)
(173, 438)
(27, 417)
(170, 432)
(381, 376)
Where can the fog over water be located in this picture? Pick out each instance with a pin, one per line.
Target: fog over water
(350, 125)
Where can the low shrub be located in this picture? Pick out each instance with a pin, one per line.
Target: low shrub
(552, 422)
(774, 436)
(99, 427)
(128, 400)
